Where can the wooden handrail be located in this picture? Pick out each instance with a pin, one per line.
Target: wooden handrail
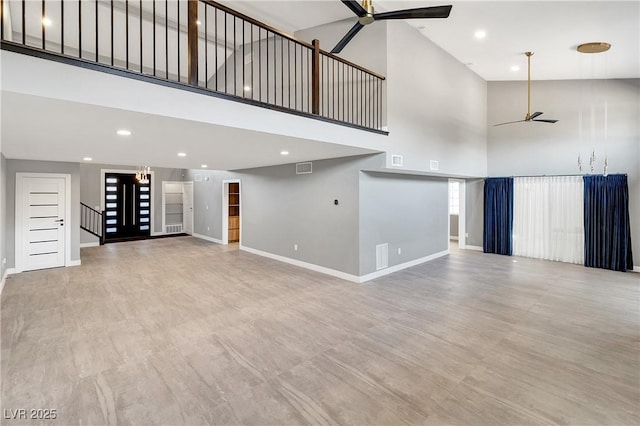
(260, 64)
(351, 64)
(288, 36)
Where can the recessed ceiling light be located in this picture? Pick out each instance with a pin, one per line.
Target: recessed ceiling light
(284, 152)
(124, 132)
(87, 159)
(182, 154)
(515, 68)
(247, 88)
(46, 21)
(204, 166)
(480, 34)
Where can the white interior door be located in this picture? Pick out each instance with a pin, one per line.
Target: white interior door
(42, 212)
(187, 207)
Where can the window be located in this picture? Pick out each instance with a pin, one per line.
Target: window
(454, 197)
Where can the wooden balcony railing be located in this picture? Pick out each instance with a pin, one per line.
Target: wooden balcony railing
(200, 44)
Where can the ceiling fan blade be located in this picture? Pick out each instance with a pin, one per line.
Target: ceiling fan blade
(546, 121)
(347, 37)
(535, 114)
(509, 122)
(421, 12)
(355, 7)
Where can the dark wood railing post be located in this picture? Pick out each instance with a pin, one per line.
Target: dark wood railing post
(103, 234)
(315, 65)
(192, 41)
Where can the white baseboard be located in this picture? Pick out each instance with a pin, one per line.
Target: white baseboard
(396, 268)
(74, 263)
(3, 280)
(204, 237)
(301, 264)
(93, 244)
(344, 275)
(453, 238)
(636, 269)
(475, 248)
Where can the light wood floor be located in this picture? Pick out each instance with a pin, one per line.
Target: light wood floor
(182, 331)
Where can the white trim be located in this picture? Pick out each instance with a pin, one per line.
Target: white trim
(18, 215)
(340, 274)
(152, 205)
(75, 263)
(204, 237)
(453, 237)
(301, 264)
(462, 213)
(188, 184)
(636, 269)
(3, 280)
(401, 266)
(475, 248)
(225, 210)
(93, 244)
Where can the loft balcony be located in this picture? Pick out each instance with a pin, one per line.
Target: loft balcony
(201, 46)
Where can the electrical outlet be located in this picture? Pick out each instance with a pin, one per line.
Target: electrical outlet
(295, 247)
(4, 261)
(466, 235)
(207, 207)
(208, 228)
(399, 250)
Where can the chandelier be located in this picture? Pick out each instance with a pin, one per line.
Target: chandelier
(142, 174)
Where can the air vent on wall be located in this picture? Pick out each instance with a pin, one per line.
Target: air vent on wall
(382, 256)
(396, 160)
(304, 168)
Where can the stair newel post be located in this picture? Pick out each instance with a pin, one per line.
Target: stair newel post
(192, 41)
(315, 77)
(104, 227)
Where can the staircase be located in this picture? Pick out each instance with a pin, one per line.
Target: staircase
(92, 221)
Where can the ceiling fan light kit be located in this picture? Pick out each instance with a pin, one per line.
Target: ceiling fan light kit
(366, 15)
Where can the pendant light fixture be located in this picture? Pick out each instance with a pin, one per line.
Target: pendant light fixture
(591, 48)
(142, 174)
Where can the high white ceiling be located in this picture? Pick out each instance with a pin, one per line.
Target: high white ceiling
(551, 29)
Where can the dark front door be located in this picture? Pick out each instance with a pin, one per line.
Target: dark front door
(127, 207)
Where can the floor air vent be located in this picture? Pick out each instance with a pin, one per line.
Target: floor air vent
(304, 168)
(173, 229)
(382, 256)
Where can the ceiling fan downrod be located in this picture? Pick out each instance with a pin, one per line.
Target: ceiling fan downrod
(529, 55)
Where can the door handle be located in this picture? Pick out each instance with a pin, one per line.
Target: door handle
(59, 220)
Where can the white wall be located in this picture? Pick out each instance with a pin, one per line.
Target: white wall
(3, 213)
(16, 166)
(539, 148)
(409, 213)
(436, 107)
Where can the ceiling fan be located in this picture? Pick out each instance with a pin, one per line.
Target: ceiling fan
(366, 16)
(529, 116)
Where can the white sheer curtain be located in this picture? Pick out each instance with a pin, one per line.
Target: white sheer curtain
(548, 218)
